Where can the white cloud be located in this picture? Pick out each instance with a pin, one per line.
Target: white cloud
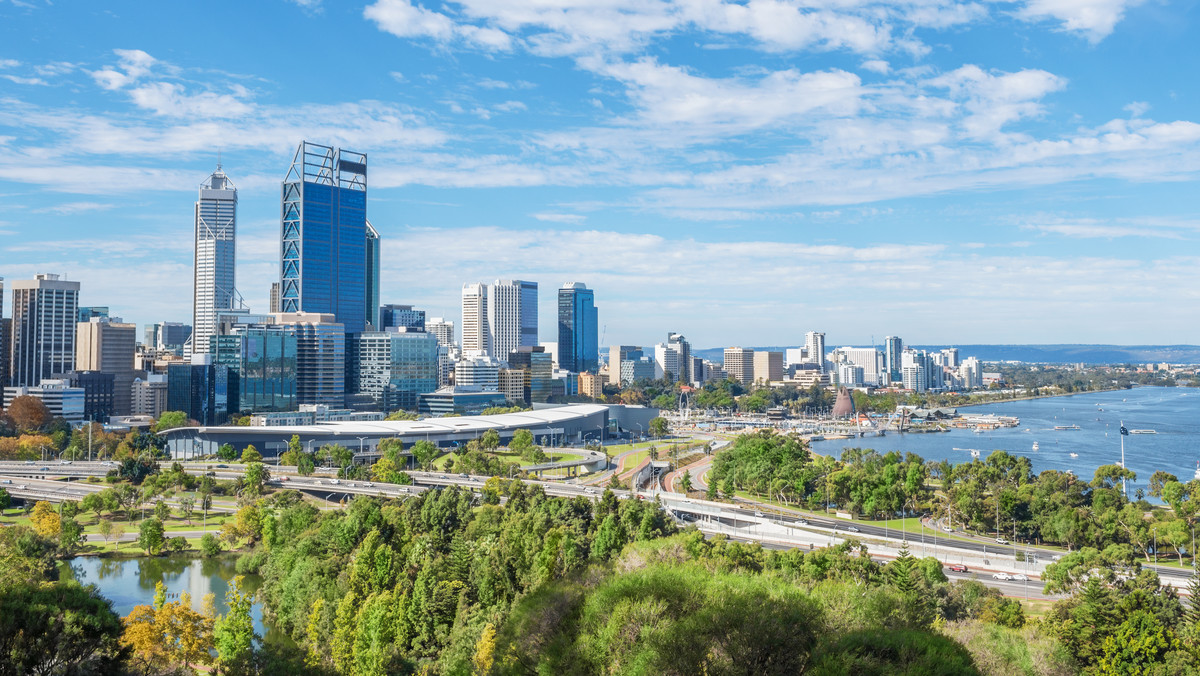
(72, 208)
(1137, 108)
(877, 66)
(403, 19)
(560, 218)
(1093, 19)
(134, 63)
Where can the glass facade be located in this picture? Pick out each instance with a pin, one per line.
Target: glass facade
(324, 262)
(578, 332)
(201, 390)
(393, 368)
(265, 361)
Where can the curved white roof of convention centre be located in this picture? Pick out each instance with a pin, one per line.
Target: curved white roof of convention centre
(451, 425)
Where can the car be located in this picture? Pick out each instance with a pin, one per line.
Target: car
(335, 481)
(1001, 541)
(758, 514)
(283, 478)
(64, 462)
(1020, 577)
(22, 486)
(802, 522)
(368, 484)
(589, 489)
(222, 466)
(445, 477)
(6, 481)
(948, 529)
(44, 469)
(1056, 557)
(352, 485)
(404, 489)
(957, 568)
(853, 529)
(28, 462)
(1001, 576)
(464, 476)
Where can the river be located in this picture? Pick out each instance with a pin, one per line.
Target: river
(1173, 412)
(130, 582)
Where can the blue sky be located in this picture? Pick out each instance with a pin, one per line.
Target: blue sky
(741, 172)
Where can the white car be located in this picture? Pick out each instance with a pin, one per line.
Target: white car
(589, 490)
(404, 489)
(335, 481)
(22, 486)
(1020, 577)
(1001, 576)
(1001, 541)
(853, 529)
(369, 484)
(948, 529)
(758, 514)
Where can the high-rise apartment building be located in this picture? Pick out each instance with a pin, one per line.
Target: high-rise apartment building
(109, 347)
(591, 385)
(43, 328)
(442, 329)
(893, 347)
(677, 342)
(578, 329)
(814, 345)
(324, 237)
(914, 370)
(150, 395)
(474, 319)
(512, 316)
(213, 273)
(739, 364)
(666, 362)
(867, 358)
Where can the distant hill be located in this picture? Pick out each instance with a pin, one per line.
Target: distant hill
(1049, 354)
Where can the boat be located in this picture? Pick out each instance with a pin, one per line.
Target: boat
(1143, 431)
(1066, 427)
(1074, 455)
(1035, 445)
(974, 454)
(1196, 476)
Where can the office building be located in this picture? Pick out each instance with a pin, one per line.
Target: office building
(474, 319)
(266, 363)
(89, 312)
(373, 253)
(109, 347)
(849, 374)
(149, 395)
(479, 371)
(512, 316)
(171, 336)
(320, 357)
(616, 355)
(392, 368)
(214, 271)
(511, 384)
(739, 364)
(551, 348)
(768, 367)
(636, 368)
(914, 370)
(578, 329)
(534, 362)
(274, 302)
(459, 401)
(666, 362)
(201, 389)
(868, 359)
(893, 348)
(683, 348)
(43, 329)
(400, 317)
(324, 238)
(62, 400)
(591, 385)
(98, 393)
(793, 356)
(814, 346)
(441, 329)
(5, 340)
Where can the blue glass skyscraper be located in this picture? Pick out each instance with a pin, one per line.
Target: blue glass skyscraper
(578, 348)
(326, 263)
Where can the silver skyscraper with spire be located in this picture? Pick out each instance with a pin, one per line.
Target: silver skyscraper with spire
(214, 276)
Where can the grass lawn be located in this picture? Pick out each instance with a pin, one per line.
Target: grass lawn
(622, 448)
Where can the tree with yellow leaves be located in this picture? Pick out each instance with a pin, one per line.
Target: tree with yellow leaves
(169, 634)
(45, 520)
(485, 650)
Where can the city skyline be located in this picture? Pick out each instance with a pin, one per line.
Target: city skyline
(950, 173)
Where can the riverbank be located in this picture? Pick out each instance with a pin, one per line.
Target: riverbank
(1030, 397)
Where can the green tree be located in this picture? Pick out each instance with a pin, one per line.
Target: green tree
(251, 454)
(170, 420)
(233, 632)
(59, 628)
(150, 535)
(93, 502)
(490, 440)
(255, 478)
(70, 536)
(659, 427)
(226, 452)
(384, 470)
(1138, 644)
(210, 545)
(425, 453)
(161, 511)
(685, 481)
(305, 465)
(521, 443)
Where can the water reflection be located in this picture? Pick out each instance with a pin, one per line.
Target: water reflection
(131, 582)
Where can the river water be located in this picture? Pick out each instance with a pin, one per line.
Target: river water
(1173, 412)
(130, 582)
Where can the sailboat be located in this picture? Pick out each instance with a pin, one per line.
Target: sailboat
(1035, 446)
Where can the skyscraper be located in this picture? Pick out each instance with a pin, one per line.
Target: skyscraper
(5, 340)
(739, 364)
(324, 236)
(43, 328)
(578, 330)
(320, 358)
(814, 343)
(892, 349)
(274, 302)
(108, 347)
(680, 344)
(264, 357)
(213, 274)
(512, 316)
(441, 328)
(393, 316)
(474, 319)
(372, 276)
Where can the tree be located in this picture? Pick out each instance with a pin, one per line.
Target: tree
(425, 453)
(151, 535)
(255, 478)
(161, 510)
(251, 454)
(105, 528)
(521, 442)
(305, 465)
(28, 413)
(70, 535)
(187, 506)
(168, 635)
(45, 521)
(5, 500)
(490, 440)
(685, 481)
(170, 420)
(226, 452)
(210, 545)
(384, 470)
(93, 502)
(659, 427)
(485, 650)
(60, 628)
(233, 632)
